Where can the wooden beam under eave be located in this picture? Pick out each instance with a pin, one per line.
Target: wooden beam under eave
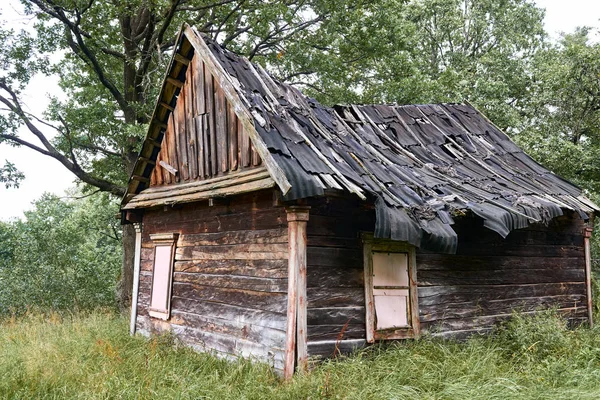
(153, 142)
(140, 178)
(175, 82)
(167, 106)
(160, 123)
(147, 160)
(181, 59)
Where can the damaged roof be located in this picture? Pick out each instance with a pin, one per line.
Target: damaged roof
(422, 165)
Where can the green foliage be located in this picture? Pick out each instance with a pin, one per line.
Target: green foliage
(65, 254)
(422, 51)
(562, 124)
(10, 175)
(91, 356)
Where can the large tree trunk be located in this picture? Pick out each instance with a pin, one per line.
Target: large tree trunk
(125, 285)
(132, 96)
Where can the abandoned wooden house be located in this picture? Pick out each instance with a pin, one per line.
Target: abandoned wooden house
(273, 227)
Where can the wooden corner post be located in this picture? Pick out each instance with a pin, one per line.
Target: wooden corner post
(587, 234)
(296, 339)
(136, 276)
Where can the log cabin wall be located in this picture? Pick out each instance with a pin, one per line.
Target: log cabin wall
(533, 268)
(458, 295)
(204, 138)
(335, 277)
(229, 290)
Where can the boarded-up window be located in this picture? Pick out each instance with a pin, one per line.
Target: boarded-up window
(390, 290)
(162, 273)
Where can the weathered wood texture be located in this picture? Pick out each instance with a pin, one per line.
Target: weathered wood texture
(229, 282)
(533, 268)
(203, 137)
(335, 288)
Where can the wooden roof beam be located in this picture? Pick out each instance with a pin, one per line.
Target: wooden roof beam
(182, 60)
(175, 82)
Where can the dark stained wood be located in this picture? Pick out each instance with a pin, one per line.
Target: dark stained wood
(276, 269)
(190, 126)
(533, 268)
(232, 138)
(229, 325)
(499, 277)
(171, 150)
(182, 135)
(335, 277)
(206, 143)
(221, 130)
(336, 332)
(199, 126)
(332, 348)
(436, 295)
(478, 307)
(259, 284)
(336, 315)
(234, 237)
(244, 140)
(198, 74)
(230, 281)
(244, 313)
(238, 297)
(209, 98)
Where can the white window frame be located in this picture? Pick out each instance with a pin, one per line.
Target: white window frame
(163, 240)
(370, 246)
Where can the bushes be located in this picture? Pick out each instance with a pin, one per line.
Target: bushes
(65, 254)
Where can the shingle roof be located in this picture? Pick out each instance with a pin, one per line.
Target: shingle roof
(422, 165)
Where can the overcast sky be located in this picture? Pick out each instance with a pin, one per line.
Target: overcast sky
(44, 174)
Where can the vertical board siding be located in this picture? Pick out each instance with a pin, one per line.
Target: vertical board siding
(532, 268)
(204, 137)
(229, 290)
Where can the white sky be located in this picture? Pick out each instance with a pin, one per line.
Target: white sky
(43, 174)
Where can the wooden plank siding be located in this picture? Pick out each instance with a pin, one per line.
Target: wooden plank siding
(230, 276)
(458, 295)
(335, 291)
(489, 277)
(204, 137)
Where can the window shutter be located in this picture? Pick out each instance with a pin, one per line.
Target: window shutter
(162, 274)
(390, 290)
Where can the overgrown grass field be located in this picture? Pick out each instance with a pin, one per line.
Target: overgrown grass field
(91, 356)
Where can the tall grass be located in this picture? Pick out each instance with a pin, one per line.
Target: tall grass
(91, 356)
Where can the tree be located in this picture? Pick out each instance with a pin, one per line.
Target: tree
(425, 51)
(562, 124)
(352, 51)
(114, 55)
(64, 254)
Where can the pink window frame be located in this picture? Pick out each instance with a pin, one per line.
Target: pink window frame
(163, 240)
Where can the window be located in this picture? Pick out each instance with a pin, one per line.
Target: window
(390, 290)
(162, 273)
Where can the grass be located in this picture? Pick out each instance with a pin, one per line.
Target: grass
(91, 356)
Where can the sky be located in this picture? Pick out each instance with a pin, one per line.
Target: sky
(43, 174)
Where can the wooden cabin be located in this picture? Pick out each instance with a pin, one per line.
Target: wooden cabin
(273, 227)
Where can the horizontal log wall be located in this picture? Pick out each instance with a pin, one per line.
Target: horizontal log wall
(230, 279)
(204, 137)
(335, 282)
(533, 268)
